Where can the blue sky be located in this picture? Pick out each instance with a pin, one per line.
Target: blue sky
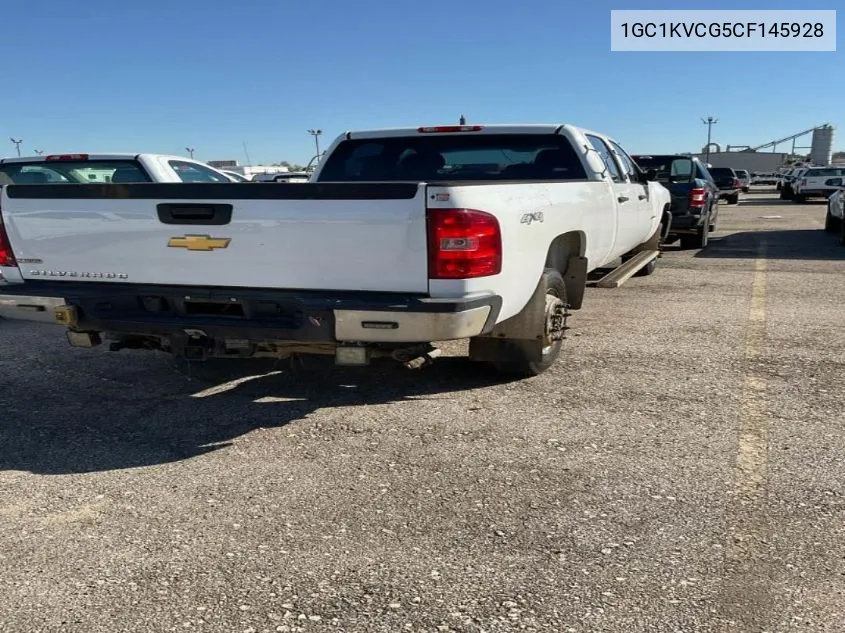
(159, 76)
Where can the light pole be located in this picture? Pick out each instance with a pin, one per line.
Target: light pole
(190, 151)
(17, 143)
(39, 152)
(709, 121)
(316, 135)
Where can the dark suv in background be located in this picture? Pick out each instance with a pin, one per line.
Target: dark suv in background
(728, 183)
(695, 196)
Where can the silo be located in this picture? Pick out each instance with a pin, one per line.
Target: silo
(821, 152)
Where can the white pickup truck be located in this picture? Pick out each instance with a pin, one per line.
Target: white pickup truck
(91, 168)
(813, 183)
(402, 238)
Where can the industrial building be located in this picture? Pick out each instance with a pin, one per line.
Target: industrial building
(754, 160)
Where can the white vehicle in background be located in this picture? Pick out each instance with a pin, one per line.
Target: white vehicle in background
(403, 238)
(814, 183)
(91, 169)
(765, 178)
(787, 189)
(235, 176)
(744, 179)
(285, 176)
(834, 221)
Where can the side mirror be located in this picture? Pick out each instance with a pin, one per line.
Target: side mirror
(651, 174)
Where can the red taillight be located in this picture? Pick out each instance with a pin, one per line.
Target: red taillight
(66, 157)
(7, 257)
(450, 128)
(697, 197)
(463, 243)
(736, 183)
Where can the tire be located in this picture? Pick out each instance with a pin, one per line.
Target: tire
(830, 222)
(842, 232)
(523, 367)
(799, 198)
(734, 199)
(745, 190)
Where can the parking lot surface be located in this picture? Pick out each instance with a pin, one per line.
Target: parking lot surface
(679, 470)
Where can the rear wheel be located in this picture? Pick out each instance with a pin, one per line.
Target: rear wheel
(553, 330)
(734, 199)
(831, 224)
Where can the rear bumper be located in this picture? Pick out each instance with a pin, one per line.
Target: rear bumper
(686, 223)
(268, 314)
(816, 193)
(28, 308)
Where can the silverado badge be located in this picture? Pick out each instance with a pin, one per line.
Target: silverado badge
(199, 242)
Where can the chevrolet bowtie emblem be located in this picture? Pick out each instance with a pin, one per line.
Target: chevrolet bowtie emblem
(199, 242)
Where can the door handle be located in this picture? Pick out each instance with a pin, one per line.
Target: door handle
(642, 197)
(622, 199)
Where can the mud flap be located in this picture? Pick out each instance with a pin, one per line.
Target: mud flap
(521, 335)
(575, 281)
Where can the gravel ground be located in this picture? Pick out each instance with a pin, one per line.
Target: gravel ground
(680, 471)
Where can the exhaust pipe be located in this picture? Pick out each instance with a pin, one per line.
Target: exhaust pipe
(425, 359)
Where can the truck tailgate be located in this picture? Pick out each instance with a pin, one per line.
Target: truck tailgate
(680, 196)
(333, 236)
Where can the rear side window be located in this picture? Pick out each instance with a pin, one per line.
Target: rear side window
(72, 172)
(454, 157)
(627, 162)
(191, 172)
(824, 173)
(604, 151)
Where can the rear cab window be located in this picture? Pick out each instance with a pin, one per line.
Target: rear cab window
(722, 172)
(454, 157)
(72, 172)
(670, 169)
